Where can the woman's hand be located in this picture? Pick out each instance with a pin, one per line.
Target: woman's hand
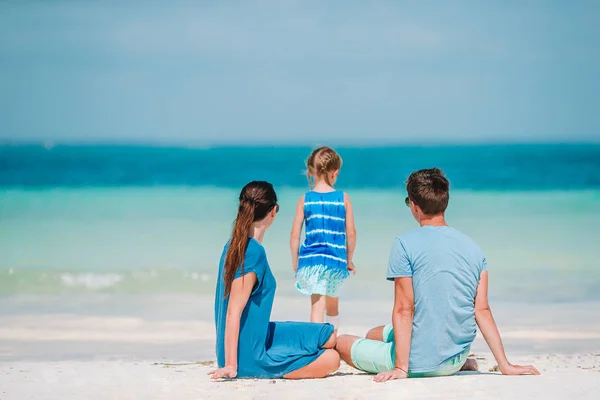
(352, 268)
(519, 370)
(226, 372)
(394, 374)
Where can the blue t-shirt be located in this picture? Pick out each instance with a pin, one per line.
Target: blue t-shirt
(445, 266)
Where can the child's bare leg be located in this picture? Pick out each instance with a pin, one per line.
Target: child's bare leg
(317, 311)
(470, 365)
(332, 311)
(332, 305)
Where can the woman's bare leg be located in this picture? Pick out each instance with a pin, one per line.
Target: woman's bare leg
(331, 342)
(327, 363)
(317, 311)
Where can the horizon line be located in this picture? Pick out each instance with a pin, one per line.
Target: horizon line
(286, 144)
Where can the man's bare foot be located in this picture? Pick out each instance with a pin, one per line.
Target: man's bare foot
(470, 365)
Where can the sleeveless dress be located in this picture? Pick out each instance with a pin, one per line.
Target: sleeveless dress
(322, 265)
(265, 349)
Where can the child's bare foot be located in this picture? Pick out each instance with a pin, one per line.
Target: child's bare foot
(470, 365)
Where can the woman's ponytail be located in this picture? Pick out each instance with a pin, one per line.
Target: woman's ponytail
(256, 200)
(238, 243)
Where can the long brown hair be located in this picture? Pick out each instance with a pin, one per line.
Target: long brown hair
(320, 163)
(257, 198)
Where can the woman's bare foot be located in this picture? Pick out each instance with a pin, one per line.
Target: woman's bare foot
(470, 365)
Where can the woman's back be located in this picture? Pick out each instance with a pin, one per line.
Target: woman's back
(256, 314)
(267, 349)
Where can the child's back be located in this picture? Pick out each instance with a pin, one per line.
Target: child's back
(324, 247)
(324, 260)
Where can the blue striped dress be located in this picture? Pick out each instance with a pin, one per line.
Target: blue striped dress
(322, 263)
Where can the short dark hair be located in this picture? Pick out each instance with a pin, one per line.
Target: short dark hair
(429, 189)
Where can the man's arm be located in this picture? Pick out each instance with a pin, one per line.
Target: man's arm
(489, 330)
(402, 320)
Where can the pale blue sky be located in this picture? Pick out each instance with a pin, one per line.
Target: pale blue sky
(300, 71)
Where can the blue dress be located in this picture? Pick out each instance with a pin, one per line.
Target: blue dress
(322, 259)
(266, 349)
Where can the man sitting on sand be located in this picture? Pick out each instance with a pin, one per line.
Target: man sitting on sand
(440, 286)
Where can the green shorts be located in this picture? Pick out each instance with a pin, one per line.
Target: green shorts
(374, 356)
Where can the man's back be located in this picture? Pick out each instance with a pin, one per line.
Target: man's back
(445, 266)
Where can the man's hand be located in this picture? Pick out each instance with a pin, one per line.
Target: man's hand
(394, 374)
(519, 370)
(226, 372)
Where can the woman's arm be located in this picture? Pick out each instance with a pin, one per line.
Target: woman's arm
(241, 288)
(296, 230)
(487, 326)
(402, 320)
(350, 233)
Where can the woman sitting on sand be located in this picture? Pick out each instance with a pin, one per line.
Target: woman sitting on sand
(248, 344)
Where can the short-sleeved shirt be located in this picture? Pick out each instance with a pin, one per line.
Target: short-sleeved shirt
(265, 349)
(445, 266)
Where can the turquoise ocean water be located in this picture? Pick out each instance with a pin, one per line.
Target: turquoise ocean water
(125, 219)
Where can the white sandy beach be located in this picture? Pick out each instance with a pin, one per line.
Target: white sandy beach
(153, 347)
(563, 377)
(129, 128)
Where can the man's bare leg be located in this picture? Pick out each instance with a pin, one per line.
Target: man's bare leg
(470, 365)
(376, 333)
(345, 342)
(344, 347)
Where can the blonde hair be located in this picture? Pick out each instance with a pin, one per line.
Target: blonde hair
(320, 163)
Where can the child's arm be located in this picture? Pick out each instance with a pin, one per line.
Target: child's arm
(487, 325)
(296, 230)
(350, 233)
(240, 293)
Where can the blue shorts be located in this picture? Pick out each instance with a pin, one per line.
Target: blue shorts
(375, 356)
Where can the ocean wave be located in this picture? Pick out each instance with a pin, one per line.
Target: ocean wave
(90, 280)
(38, 281)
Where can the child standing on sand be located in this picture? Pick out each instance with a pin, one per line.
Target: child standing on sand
(324, 260)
